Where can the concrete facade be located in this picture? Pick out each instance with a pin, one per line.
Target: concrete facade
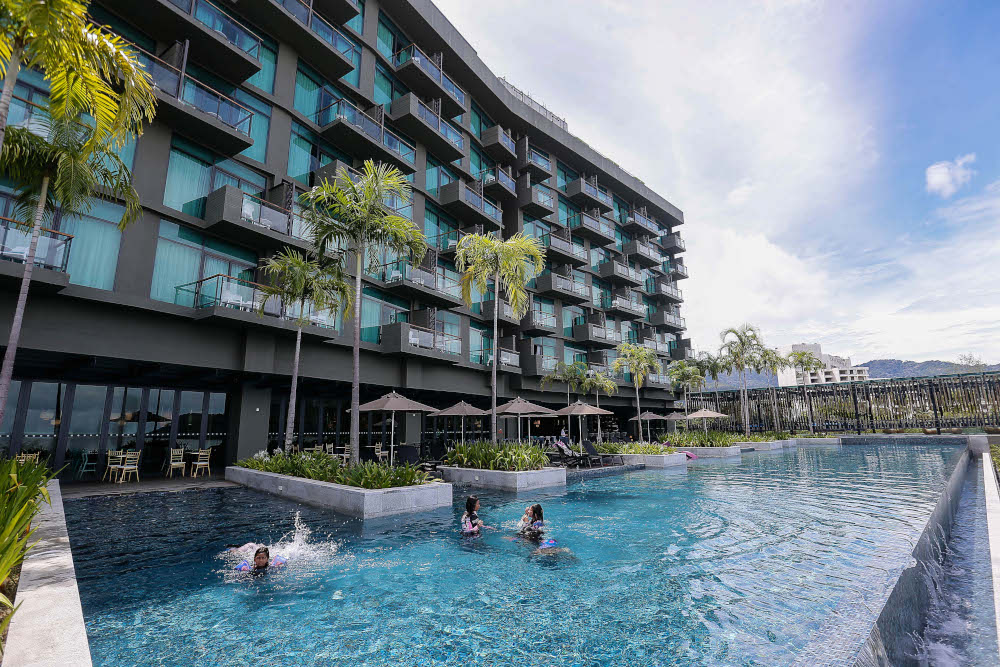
(835, 369)
(522, 480)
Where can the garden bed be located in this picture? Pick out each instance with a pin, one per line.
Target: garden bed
(519, 480)
(352, 500)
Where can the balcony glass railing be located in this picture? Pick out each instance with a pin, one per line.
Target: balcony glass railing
(673, 241)
(507, 357)
(448, 241)
(428, 339)
(414, 53)
(544, 196)
(619, 269)
(480, 202)
(320, 27)
(402, 271)
(507, 141)
(598, 225)
(226, 26)
(597, 193)
(352, 115)
(542, 319)
(51, 251)
(497, 174)
(261, 213)
(169, 79)
(565, 246)
(623, 303)
(506, 310)
(545, 363)
(443, 127)
(646, 251)
(539, 159)
(240, 294)
(644, 222)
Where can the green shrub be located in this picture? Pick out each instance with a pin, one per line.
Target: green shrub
(634, 448)
(719, 438)
(325, 468)
(510, 456)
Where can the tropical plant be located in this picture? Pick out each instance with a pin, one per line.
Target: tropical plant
(634, 448)
(712, 366)
(89, 69)
(640, 362)
(572, 375)
(50, 172)
(805, 362)
(597, 382)
(686, 376)
(488, 455)
(507, 265)
(742, 347)
(773, 363)
(326, 468)
(295, 279)
(352, 214)
(722, 438)
(22, 490)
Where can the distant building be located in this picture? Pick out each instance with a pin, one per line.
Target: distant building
(835, 369)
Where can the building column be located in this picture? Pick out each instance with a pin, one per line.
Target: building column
(249, 418)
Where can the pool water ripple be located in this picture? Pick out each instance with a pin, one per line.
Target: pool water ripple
(732, 562)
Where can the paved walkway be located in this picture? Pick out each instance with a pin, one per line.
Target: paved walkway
(153, 485)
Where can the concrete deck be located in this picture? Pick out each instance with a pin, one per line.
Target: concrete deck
(156, 485)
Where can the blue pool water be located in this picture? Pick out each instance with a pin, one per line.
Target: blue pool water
(731, 562)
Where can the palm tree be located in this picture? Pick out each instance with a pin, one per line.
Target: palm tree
(687, 376)
(508, 265)
(597, 382)
(352, 214)
(572, 375)
(712, 366)
(805, 362)
(89, 69)
(639, 361)
(742, 347)
(773, 362)
(57, 171)
(301, 281)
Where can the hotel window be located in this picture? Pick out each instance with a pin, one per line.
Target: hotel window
(387, 87)
(312, 92)
(571, 315)
(184, 255)
(543, 346)
(354, 76)
(307, 153)
(536, 228)
(621, 209)
(567, 211)
(480, 161)
(436, 222)
(479, 121)
(193, 172)
(437, 174)
(268, 57)
(621, 238)
(379, 309)
(542, 305)
(389, 39)
(564, 175)
(480, 343)
(599, 290)
(357, 24)
(572, 354)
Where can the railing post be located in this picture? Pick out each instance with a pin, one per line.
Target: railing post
(937, 421)
(857, 417)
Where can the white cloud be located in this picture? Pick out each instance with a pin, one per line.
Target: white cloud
(946, 178)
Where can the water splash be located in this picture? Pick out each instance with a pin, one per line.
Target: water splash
(296, 545)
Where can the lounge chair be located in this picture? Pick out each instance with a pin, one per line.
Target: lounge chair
(588, 447)
(568, 456)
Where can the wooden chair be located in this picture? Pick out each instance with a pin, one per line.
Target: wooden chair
(128, 466)
(380, 454)
(88, 463)
(175, 461)
(202, 462)
(24, 458)
(114, 459)
(344, 454)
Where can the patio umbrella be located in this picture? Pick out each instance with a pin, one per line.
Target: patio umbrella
(520, 408)
(460, 409)
(392, 402)
(580, 409)
(648, 417)
(704, 415)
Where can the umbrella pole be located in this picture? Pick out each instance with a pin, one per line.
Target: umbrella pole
(579, 419)
(463, 429)
(519, 429)
(392, 437)
(704, 423)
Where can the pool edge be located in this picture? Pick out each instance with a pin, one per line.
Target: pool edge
(990, 486)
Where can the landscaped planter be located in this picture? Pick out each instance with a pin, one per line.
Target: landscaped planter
(364, 503)
(655, 460)
(762, 446)
(522, 480)
(802, 442)
(713, 452)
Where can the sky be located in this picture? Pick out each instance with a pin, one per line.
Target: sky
(837, 163)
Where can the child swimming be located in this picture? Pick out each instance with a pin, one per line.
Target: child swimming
(471, 523)
(261, 561)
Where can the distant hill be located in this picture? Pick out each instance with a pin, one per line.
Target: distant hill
(896, 368)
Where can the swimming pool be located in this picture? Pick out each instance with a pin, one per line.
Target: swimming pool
(729, 562)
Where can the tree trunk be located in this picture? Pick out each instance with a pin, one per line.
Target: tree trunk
(638, 412)
(597, 395)
(13, 69)
(356, 378)
(496, 353)
(745, 400)
(292, 394)
(7, 370)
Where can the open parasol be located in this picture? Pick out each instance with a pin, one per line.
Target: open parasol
(393, 402)
(580, 409)
(463, 410)
(522, 408)
(704, 415)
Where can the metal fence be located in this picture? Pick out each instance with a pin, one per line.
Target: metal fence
(969, 400)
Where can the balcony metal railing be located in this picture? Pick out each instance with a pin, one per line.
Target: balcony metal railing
(539, 318)
(675, 320)
(261, 213)
(447, 241)
(599, 225)
(622, 270)
(673, 241)
(508, 141)
(644, 222)
(429, 339)
(487, 176)
(539, 159)
(343, 110)
(657, 345)
(240, 294)
(443, 127)
(489, 302)
(402, 271)
(658, 378)
(414, 53)
(480, 202)
(656, 286)
(51, 251)
(648, 251)
(545, 363)
(567, 247)
(544, 195)
(320, 26)
(507, 357)
(229, 28)
(567, 285)
(625, 304)
(182, 87)
(597, 193)
(537, 106)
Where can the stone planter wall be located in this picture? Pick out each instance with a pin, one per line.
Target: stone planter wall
(713, 452)
(501, 479)
(655, 460)
(364, 503)
(805, 442)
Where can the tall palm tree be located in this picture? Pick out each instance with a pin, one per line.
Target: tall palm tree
(298, 280)
(712, 366)
(742, 347)
(597, 382)
(805, 362)
(352, 215)
(57, 171)
(773, 363)
(687, 376)
(89, 69)
(572, 375)
(639, 361)
(507, 264)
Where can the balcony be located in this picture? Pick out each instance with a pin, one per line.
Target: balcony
(338, 11)
(510, 361)
(588, 195)
(498, 144)
(464, 202)
(643, 253)
(658, 346)
(419, 121)
(673, 243)
(619, 273)
(667, 320)
(638, 223)
(561, 251)
(215, 37)
(596, 335)
(427, 286)
(624, 307)
(498, 184)
(316, 40)
(537, 322)
(536, 200)
(676, 269)
(222, 297)
(597, 230)
(356, 132)
(505, 316)
(202, 113)
(562, 287)
(659, 380)
(663, 290)
(422, 74)
(533, 162)
(240, 217)
(50, 261)
(446, 243)
(402, 338)
(537, 365)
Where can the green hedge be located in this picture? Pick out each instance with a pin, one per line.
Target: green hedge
(325, 468)
(509, 456)
(720, 438)
(634, 448)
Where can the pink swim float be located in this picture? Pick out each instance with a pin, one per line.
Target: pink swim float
(690, 455)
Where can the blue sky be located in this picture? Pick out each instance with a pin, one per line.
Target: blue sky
(837, 162)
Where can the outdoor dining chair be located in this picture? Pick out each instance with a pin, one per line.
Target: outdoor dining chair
(128, 466)
(114, 459)
(24, 458)
(88, 463)
(175, 461)
(202, 462)
(380, 454)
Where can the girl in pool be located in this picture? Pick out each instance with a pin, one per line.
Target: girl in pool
(471, 523)
(532, 523)
(261, 561)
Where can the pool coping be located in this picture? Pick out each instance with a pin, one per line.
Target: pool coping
(992, 489)
(508, 480)
(48, 628)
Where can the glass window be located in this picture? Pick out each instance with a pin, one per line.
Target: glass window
(264, 79)
(159, 416)
(571, 315)
(354, 76)
(93, 256)
(437, 174)
(479, 121)
(184, 255)
(621, 209)
(8, 416)
(193, 172)
(480, 161)
(536, 228)
(480, 343)
(543, 346)
(390, 39)
(124, 420)
(564, 175)
(260, 125)
(378, 309)
(217, 428)
(387, 87)
(566, 211)
(41, 423)
(357, 24)
(436, 222)
(313, 92)
(307, 152)
(189, 420)
(86, 421)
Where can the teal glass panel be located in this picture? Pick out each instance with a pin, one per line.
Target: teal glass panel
(264, 79)
(175, 265)
(259, 126)
(188, 182)
(93, 255)
(357, 24)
